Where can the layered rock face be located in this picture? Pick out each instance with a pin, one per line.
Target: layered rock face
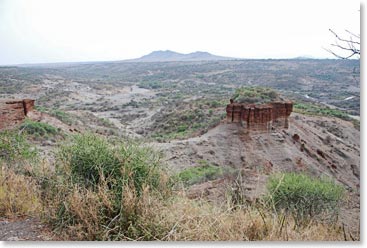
(13, 112)
(260, 116)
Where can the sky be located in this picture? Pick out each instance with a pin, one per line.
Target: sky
(43, 31)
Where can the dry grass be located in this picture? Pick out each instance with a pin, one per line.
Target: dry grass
(19, 195)
(202, 221)
(86, 215)
(91, 214)
(178, 218)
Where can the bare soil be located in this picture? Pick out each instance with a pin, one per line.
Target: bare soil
(25, 230)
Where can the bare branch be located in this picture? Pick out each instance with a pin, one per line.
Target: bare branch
(338, 56)
(353, 34)
(352, 49)
(348, 45)
(344, 40)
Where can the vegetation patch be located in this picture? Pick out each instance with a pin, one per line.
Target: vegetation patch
(313, 109)
(38, 129)
(105, 123)
(305, 197)
(58, 114)
(201, 173)
(193, 119)
(356, 124)
(15, 147)
(151, 85)
(100, 188)
(19, 193)
(255, 94)
(62, 116)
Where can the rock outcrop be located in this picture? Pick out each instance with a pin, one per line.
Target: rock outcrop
(259, 116)
(13, 112)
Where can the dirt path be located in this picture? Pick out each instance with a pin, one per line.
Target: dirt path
(22, 230)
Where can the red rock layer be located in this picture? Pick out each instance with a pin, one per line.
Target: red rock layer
(259, 116)
(13, 112)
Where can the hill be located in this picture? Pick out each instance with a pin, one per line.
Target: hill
(164, 56)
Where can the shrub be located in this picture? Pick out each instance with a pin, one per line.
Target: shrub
(304, 197)
(90, 156)
(181, 128)
(87, 156)
(38, 128)
(100, 188)
(14, 147)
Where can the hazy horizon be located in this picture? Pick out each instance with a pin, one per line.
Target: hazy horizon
(132, 59)
(41, 31)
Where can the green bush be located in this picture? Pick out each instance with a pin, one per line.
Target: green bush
(38, 128)
(14, 147)
(89, 157)
(304, 197)
(101, 190)
(181, 128)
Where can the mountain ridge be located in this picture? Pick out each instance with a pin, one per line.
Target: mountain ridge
(168, 55)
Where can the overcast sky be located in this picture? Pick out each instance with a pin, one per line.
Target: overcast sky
(36, 31)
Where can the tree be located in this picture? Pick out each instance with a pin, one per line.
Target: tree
(346, 47)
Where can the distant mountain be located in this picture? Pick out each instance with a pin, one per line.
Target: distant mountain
(304, 57)
(162, 56)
